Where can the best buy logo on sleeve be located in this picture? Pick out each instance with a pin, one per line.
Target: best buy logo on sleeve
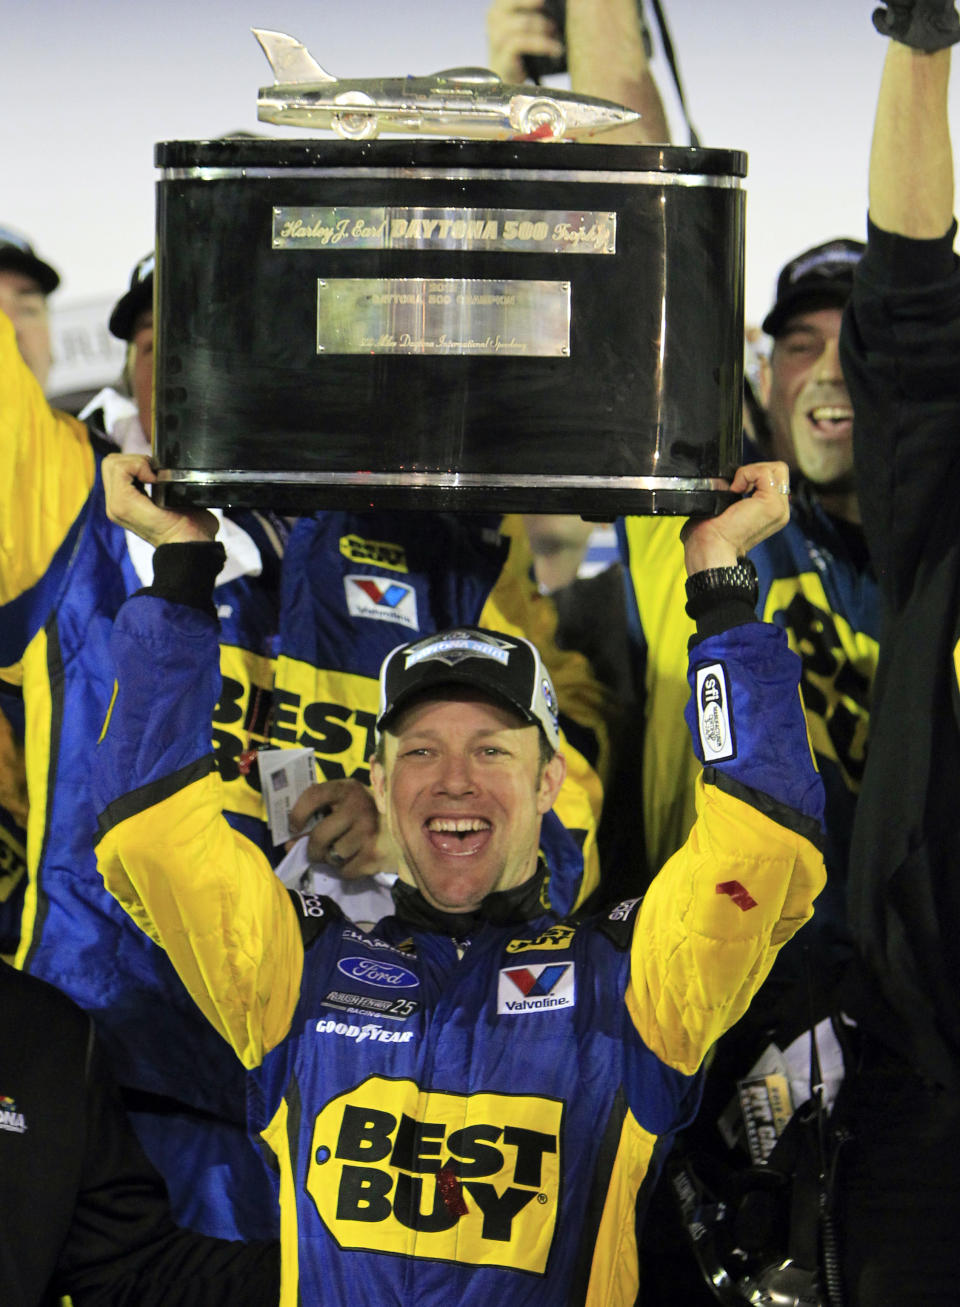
(473, 1179)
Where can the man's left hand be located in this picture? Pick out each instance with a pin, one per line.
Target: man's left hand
(763, 510)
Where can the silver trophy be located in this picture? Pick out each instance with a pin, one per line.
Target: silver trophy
(469, 102)
(485, 325)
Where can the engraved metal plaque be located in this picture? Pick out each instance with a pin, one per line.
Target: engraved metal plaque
(420, 315)
(360, 227)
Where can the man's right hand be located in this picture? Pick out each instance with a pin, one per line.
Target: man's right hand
(515, 29)
(349, 835)
(129, 507)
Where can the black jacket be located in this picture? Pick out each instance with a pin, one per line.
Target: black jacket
(900, 347)
(82, 1211)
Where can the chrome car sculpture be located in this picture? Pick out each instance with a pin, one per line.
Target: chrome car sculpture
(471, 102)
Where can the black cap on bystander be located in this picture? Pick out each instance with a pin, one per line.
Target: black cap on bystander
(17, 255)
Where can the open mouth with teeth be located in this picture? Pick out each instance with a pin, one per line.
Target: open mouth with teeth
(458, 836)
(833, 421)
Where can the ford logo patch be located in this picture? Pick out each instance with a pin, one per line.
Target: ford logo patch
(371, 971)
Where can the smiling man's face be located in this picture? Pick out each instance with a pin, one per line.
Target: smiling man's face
(464, 792)
(811, 418)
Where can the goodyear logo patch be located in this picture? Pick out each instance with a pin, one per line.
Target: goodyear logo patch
(540, 988)
(369, 1030)
(473, 1179)
(713, 714)
(380, 553)
(554, 937)
(380, 600)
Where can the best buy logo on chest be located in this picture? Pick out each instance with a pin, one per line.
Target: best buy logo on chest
(472, 1179)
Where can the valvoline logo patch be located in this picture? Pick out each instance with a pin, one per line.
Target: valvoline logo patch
(539, 988)
(381, 600)
(374, 971)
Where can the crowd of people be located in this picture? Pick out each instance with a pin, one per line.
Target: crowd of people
(551, 994)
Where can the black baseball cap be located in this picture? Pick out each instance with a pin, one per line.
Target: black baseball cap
(17, 255)
(818, 278)
(138, 297)
(507, 668)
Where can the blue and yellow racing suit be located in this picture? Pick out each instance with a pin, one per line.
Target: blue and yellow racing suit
(457, 1119)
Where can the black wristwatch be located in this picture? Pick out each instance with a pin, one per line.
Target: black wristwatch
(738, 582)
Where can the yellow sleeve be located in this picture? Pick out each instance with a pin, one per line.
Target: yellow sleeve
(46, 471)
(208, 896)
(711, 925)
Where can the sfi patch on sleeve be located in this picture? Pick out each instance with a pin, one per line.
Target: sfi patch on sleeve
(714, 719)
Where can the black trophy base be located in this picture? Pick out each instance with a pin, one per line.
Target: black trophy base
(477, 325)
(599, 498)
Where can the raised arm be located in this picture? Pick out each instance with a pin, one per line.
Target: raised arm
(715, 916)
(606, 54)
(902, 327)
(608, 58)
(200, 890)
(911, 161)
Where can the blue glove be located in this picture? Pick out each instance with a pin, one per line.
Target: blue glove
(925, 25)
